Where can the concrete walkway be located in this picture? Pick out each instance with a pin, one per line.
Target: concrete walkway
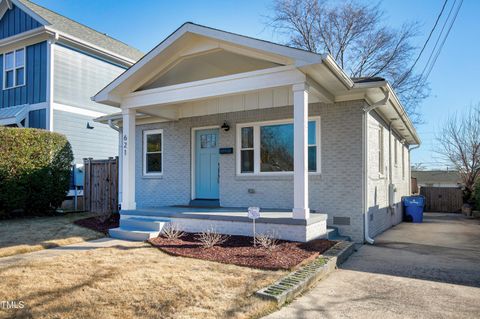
(429, 270)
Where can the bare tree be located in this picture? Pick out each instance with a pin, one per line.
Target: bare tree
(459, 144)
(355, 35)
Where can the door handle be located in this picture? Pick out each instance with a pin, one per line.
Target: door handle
(218, 173)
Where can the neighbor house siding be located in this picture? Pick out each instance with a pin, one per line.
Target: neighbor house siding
(99, 142)
(16, 21)
(337, 191)
(381, 217)
(37, 119)
(35, 89)
(78, 77)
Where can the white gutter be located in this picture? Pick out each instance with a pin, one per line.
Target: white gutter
(367, 110)
(410, 168)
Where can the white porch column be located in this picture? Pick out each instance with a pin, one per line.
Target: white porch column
(128, 163)
(300, 149)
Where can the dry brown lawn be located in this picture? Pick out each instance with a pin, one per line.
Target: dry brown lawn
(30, 234)
(133, 280)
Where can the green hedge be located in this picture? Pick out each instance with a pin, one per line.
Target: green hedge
(34, 171)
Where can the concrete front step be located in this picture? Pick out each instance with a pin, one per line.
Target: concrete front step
(133, 234)
(143, 223)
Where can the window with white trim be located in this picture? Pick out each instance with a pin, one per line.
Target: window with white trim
(153, 152)
(403, 161)
(396, 152)
(381, 168)
(14, 69)
(267, 147)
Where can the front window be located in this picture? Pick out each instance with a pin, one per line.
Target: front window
(268, 147)
(14, 68)
(380, 151)
(153, 152)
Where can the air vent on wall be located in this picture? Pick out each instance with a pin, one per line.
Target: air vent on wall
(343, 221)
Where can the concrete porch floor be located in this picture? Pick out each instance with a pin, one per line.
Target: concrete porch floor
(271, 216)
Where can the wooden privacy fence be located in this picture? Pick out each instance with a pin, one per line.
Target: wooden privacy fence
(101, 185)
(442, 199)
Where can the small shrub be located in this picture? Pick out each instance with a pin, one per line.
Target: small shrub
(268, 240)
(211, 237)
(172, 231)
(35, 168)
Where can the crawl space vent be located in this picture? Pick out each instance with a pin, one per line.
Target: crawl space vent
(344, 221)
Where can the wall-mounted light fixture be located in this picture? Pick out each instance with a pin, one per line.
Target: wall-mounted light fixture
(225, 126)
(89, 126)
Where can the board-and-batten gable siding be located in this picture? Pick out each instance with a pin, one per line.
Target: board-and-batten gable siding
(78, 77)
(15, 21)
(35, 89)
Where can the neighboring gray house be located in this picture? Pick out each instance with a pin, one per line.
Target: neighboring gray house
(51, 66)
(212, 118)
(438, 178)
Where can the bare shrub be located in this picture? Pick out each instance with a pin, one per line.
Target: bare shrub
(210, 237)
(267, 240)
(172, 231)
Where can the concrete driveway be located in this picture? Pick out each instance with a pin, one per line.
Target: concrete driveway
(429, 270)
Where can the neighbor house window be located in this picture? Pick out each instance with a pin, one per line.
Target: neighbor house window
(267, 147)
(153, 152)
(380, 151)
(14, 69)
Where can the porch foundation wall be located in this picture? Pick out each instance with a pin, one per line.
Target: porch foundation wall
(299, 233)
(337, 191)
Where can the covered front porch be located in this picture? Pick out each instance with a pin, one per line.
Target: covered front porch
(205, 93)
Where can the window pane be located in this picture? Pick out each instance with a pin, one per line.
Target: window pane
(312, 158)
(247, 137)
(9, 60)
(154, 142)
(19, 58)
(9, 79)
(312, 133)
(20, 78)
(276, 148)
(246, 161)
(154, 163)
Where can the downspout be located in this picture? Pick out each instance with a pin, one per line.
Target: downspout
(366, 112)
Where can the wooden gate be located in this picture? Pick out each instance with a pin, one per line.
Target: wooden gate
(101, 185)
(442, 199)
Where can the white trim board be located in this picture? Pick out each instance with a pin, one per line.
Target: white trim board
(76, 110)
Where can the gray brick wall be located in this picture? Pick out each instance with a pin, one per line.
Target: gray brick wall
(380, 217)
(337, 191)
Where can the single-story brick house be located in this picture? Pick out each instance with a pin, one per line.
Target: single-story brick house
(211, 118)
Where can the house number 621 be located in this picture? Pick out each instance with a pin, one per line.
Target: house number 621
(125, 138)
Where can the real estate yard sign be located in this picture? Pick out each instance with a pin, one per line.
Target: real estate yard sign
(254, 213)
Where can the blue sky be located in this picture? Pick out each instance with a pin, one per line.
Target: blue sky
(453, 82)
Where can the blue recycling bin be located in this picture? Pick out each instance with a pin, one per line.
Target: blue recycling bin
(414, 208)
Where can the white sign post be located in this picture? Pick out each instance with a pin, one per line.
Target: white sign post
(254, 213)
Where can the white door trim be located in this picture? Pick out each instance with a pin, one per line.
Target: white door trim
(192, 152)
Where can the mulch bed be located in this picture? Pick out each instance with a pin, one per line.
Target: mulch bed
(96, 223)
(239, 250)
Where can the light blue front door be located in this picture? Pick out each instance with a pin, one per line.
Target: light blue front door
(207, 168)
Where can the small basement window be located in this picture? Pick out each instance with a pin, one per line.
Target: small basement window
(153, 152)
(14, 69)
